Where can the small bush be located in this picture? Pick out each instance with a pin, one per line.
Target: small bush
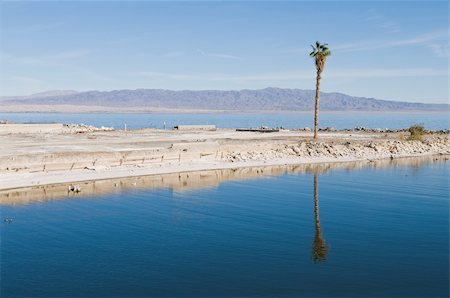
(401, 136)
(416, 132)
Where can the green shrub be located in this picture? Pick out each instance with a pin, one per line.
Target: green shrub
(416, 132)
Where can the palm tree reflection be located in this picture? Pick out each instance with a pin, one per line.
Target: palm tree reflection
(319, 246)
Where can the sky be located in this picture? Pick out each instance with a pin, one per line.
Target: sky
(393, 50)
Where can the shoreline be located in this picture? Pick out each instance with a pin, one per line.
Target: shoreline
(80, 176)
(194, 179)
(36, 155)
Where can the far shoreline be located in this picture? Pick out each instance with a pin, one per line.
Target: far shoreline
(89, 110)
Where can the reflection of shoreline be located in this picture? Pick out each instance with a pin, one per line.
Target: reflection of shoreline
(186, 181)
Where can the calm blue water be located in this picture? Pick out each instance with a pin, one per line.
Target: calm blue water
(376, 232)
(390, 120)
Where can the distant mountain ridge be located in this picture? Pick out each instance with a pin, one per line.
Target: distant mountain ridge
(268, 99)
(40, 95)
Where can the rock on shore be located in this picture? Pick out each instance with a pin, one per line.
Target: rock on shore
(346, 149)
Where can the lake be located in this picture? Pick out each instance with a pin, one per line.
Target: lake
(363, 229)
(339, 120)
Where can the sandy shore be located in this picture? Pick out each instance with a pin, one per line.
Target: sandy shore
(42, 155)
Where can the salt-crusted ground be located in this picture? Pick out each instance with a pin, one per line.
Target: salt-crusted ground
(51, 154)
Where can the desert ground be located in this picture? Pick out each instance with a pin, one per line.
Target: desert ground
(46, 154)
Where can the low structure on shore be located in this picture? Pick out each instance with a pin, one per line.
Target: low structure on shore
(50, 128)
(195, 127)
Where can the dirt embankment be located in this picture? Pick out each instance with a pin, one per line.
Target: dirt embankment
(70, 154)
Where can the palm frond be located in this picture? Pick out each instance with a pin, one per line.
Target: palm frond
(320, 50)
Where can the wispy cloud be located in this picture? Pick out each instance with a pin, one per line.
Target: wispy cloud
(380, 21)
(300, 75)
(369, 45)
(440, 50)
(390, 25)
(218, 55)
(165, 75)
(387, 73)
(22, 60)
(373, 16)
(340, 73)
(299, 50)
(54, 59)
(70, 54)
(422, 39)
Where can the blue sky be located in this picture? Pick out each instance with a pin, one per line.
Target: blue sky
(395, 50)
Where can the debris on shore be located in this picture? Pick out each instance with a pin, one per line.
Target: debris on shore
(74, 188)
(82, 128)
(260, 129)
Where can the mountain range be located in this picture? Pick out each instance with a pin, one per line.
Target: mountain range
(268, 99)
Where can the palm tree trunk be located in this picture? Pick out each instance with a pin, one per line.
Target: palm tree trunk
(316, 109)
(316, 204)
(319, 247)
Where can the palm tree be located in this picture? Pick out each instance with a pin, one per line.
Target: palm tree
(320, 53)
(319, 247)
